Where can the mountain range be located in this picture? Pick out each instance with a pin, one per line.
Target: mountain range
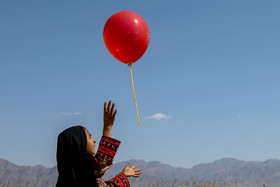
(224, 172)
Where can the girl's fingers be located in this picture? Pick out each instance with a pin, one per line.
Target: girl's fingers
(137, 175)
(129, 164)
(109, 105)
(115, 113)
(105, 106)
(112, 109)
(133, 167)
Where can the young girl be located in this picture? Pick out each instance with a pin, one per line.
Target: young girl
(78, 163)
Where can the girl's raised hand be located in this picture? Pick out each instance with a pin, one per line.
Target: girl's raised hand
(108, 118)
(132, 171)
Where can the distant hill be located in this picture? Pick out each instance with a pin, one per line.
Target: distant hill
(223, 172)
(12, 175)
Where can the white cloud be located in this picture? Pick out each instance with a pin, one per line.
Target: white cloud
(159, 116)
(71, 113)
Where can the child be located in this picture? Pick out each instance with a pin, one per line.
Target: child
(78, 163)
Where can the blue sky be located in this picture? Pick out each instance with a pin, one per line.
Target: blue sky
(207, 87)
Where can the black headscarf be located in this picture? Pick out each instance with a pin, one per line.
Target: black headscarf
(73, 164)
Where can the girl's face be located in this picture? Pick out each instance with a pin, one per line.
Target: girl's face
(90, 143)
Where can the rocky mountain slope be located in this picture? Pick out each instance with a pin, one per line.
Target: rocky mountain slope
(226, 172)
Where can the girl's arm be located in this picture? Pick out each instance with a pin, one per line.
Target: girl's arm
(108, 118)
(103, 161)
(121, 178)
(107, 150)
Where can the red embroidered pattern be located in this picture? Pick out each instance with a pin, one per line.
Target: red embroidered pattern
(108, 147)
(110, 140)
(121, 180)
(101, 183)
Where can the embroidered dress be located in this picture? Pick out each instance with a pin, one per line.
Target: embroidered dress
(78, 169)
(104, 157)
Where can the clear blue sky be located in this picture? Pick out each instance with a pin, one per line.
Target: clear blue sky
(211, 71)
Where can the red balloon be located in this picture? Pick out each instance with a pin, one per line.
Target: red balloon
(126, 36)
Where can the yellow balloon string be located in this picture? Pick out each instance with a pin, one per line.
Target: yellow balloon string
(129, 64)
